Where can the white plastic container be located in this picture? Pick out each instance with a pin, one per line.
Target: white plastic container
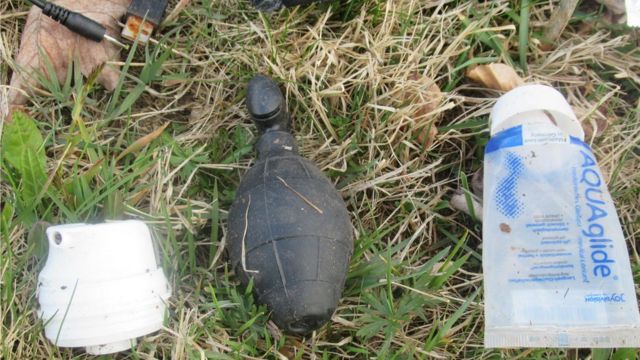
(555, 261)
(633, 12)
(101, 287)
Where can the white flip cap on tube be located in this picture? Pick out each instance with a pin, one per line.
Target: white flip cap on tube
(101, 286)
(517, 106)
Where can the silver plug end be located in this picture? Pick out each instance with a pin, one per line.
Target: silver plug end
(115, 41)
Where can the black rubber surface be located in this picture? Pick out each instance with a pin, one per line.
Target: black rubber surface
(290, 226)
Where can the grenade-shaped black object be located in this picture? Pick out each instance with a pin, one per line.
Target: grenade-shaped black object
(272, 5)
(289, 229)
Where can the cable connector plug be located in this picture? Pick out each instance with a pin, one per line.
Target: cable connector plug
(77, 22)
(143, 16)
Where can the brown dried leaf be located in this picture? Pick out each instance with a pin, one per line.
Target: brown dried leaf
(597, 124)
(594, 128)
(143, 141)
(43, 36)
(495, 76)
(427, 135)
(429, 96)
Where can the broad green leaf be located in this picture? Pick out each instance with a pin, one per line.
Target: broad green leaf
(5, 216)
(625, 354)
(23, 148)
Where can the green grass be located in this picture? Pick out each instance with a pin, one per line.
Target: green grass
(414, 288)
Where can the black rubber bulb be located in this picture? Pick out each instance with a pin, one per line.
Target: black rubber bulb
(272, 5)
(289, 229)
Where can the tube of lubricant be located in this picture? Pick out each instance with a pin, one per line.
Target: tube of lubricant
(556, 267)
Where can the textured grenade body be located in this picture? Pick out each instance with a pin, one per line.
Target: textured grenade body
(272, 5)
(289, 231)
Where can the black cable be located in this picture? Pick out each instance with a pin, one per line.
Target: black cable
(75, 22)
(38, 3)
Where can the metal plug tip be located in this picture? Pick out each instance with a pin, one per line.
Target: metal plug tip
(115, 41)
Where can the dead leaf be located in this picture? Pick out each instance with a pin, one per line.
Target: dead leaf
(616, 7)
(143, 141)
(427, 135)
(495, 76)
(593, 131)
(596, 124)
(42, 37)
(429, 96)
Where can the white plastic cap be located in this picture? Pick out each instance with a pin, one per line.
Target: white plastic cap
(101, 287)
(513, 109)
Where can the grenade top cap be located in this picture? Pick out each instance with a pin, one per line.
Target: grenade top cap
(266, 104)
